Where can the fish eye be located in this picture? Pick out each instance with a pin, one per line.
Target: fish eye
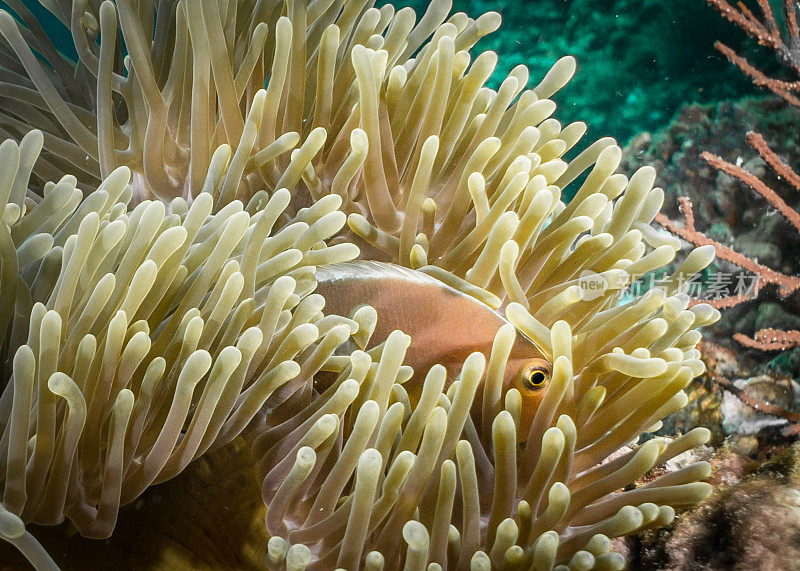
(534, 376)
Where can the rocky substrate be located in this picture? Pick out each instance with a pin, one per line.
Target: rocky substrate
(749, 399)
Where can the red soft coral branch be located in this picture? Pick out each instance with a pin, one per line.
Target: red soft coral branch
(756, 184)
(749, 23)
(779, 87)
(781, 169)
(786, 45)
(766, 32)
(771, 339)
(769, 17)
(712, 352)
(787, 284)
(791, 19)
(759, 405)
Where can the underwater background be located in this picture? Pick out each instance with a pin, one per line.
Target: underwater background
(650, 76)
(638, 60)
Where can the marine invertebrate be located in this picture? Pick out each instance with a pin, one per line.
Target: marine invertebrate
(578, 421)
(436, 172)
(143, 338)
(782, 39)
(784, 43)
(167, 110)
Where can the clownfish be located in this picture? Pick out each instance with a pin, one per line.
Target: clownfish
(445, 325)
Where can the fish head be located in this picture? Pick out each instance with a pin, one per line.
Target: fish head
(528, 371)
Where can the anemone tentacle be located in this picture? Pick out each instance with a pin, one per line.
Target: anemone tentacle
(159, 301)
(142, 338)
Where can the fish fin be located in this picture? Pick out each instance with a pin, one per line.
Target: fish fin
(371, 269)
(427, 275)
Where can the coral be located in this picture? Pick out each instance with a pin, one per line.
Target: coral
(781, 39)
(729, 212)
(786, 284)
(784, 43)
(756, 250)
(146, 333)
(750, 405)
(763, 225)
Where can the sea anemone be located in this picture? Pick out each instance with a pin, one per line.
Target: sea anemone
(149, 336)
(181, 99)
(141, 334)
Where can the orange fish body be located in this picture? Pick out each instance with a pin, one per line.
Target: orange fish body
(445, 325)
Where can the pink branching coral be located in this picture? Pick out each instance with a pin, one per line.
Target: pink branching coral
(786, 44)
(783, 40)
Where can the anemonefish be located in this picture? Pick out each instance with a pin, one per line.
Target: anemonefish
(445, 325)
